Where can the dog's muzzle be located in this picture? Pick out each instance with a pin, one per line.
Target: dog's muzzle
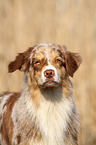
(50, 77)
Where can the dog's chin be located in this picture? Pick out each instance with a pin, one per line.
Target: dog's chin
(50, 84)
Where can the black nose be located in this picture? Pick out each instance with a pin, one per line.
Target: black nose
(49, 73)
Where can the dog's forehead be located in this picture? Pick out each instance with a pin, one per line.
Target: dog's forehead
(46, 50)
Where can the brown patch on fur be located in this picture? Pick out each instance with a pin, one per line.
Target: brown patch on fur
(18, 138)
(73, 61)
(35, 97)
(7, 124)
(22, 61)
(66, 88)
(39, 66)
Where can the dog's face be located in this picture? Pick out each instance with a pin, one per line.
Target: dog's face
(48, 64)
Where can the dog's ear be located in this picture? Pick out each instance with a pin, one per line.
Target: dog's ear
(21, 61)
(73, 61)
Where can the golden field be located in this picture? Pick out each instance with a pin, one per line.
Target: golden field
(24, 23)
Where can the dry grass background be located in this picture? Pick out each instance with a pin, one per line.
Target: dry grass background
(24, 23)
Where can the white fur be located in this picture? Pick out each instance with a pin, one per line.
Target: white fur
(51, 116)
(3, 102)
(49, 66)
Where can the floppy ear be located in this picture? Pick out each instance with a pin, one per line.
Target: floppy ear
(21, 62)
(73, 61)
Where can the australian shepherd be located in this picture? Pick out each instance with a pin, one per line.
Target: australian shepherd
(44, 112)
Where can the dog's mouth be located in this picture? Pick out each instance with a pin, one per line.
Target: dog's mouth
(49, 83)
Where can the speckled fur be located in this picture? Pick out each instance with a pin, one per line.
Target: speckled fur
(43, 113)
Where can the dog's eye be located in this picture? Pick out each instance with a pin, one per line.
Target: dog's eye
(37, 62)
(58, 60)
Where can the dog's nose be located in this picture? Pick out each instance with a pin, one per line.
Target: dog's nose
(49, 73)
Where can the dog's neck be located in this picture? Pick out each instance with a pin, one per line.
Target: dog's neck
(52, 109)
(49, 92)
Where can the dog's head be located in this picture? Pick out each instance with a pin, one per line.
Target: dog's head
(48, 64)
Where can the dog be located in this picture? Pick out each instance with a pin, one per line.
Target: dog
(44, 113)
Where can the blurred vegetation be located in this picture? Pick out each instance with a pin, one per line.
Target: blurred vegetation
(72, 23)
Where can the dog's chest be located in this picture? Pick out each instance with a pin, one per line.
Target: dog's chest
(52, 119)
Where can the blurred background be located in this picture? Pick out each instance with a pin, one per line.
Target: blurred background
(24, 23)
